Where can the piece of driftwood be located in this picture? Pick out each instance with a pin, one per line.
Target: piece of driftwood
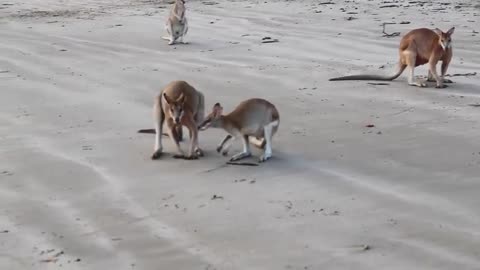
(461, 74)
(242, 163)
(380, 83)
(150, 131)
(385, 34)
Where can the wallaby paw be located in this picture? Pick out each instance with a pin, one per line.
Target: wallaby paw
(441, 86)
(224, 153)
(199, 152)
(418, 84)
(157, 154)
(447, 81)
(192, 157)
(264, 158)
(219, 149)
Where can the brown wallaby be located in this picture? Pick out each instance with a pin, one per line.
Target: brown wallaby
(419, 47)
(177, 24)
(255, 120)
(180, 105)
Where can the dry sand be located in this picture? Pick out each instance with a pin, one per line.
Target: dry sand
(77, 80)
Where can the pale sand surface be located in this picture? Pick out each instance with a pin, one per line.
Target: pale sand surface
(78, 78)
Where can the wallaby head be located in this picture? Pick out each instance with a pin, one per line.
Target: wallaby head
(445, 39)
(176, 107)
(181, 2)
(213, 119)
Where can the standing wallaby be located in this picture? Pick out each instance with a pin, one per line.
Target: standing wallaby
(181, 105)
(419, 47)
(176, 25)
(255, 119)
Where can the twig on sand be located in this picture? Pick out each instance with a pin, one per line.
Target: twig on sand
(216, 197)
(209, 3)
(385, 34)
(326, 3)
(269, 40)
(242, 163)
(216, 168)
(150, 131)
(231, 163)
(403, 111)
(362, 247)
(461, 74)
(381, 83)
(389, 6)
(474, 105)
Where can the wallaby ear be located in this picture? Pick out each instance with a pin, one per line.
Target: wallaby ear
(450, 31)
(217, 109)
(169, 101)
(438, 31)
(181, 98)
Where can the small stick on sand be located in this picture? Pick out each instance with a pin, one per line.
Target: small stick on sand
(216, 168)
(381, 83)
(461, 74)
(242, 163)
(150, 131)
(385, 34)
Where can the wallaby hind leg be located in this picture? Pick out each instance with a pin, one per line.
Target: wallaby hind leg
(173, 137)
(159, 117)
(444, 71)
(192, 152)
(246, 150)
(411, 65)
(198, 119)
(169, 28)
(433, 69)
(268, 138)
(200, 115)
(430, 77)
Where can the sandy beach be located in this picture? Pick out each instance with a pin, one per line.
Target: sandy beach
(363, 176)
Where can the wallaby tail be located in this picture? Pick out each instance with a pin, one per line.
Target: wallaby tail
(400, 69)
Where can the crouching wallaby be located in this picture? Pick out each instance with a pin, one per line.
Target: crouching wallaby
(180, 105)
(176, 25)
(419, 47)
(255, 120)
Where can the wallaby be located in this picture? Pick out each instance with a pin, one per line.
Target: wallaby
(419, 47)
(181, 105)
(176, 25)
(255, 120)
